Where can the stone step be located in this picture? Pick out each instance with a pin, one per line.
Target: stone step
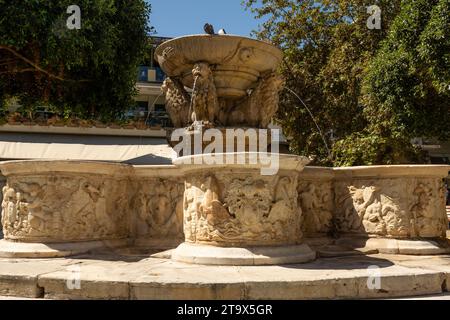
(143, 277)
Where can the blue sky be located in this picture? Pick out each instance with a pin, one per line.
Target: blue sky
(172, 18)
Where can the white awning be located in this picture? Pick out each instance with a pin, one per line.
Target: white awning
(132, 150)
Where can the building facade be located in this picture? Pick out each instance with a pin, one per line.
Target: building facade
(150, 100)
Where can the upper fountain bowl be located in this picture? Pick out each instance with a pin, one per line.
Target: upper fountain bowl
(236, 62)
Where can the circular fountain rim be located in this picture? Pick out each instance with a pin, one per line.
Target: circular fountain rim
(61, 166)
(222, 36)
(262, 45)
(197, 162)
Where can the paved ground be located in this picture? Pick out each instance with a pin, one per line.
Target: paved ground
(18, 298)
(443, 296)
(111, 276)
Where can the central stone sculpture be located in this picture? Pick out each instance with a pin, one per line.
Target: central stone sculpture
(233, 215)
(233, 80)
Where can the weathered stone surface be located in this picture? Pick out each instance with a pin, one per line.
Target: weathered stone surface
(95, 285)
(244, 217)
(237, 206)
(9, 249)
(242, 256)
(110, 277)
(64, 201)
(157, 207)
(19, 277)
(316, 200)
(70, 201)
(238, 61)
(55, 203)
(392, 201)
(356, 245)
(234, 86)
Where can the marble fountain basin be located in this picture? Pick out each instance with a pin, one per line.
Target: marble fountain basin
(237, 62)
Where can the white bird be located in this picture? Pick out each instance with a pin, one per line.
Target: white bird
(222, 32)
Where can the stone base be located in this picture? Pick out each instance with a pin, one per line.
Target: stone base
(109, 277)
(157, 244)
(353, 245)
(10, 249)
(210, 255)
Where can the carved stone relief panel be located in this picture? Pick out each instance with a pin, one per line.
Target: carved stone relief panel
(316, 200)
(54, 208)
(233, 208)
(229, 207)
(427, 208)
(158, 208)
(396, 207)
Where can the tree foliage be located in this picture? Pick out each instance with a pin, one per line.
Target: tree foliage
(369, 90)
(89, 72)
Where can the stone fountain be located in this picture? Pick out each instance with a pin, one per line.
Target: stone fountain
(238, 202)
(233, 215)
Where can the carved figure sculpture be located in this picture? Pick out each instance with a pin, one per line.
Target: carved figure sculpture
(373, 220)
(254, 110)
(4, 203)
(314, 204)
(177, 102)
(374, 210)
(252, 209)
(36, 215)
(65, 208)
(159, 209)
(211, 207)
(22, 212)
(395, 220)
(284, 210)
(283, 207)
(104, 221)
(259, 107)
(426, 222)
(309, 204)
(249, 201)
(9, 208)
(355, 206)
(191, 206)
(205, 103)
(141, 206)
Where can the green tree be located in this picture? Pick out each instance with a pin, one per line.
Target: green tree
(88, 72)
(406, 89)
(341, 70)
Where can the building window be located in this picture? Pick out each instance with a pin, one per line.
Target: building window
(143, 74)
(160, 108)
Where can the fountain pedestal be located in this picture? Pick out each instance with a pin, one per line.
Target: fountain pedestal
(233, 215)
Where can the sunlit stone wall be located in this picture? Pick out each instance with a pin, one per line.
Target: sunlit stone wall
(67, 201)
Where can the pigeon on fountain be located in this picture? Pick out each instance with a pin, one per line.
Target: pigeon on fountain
(222, 32)
(209, 29)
